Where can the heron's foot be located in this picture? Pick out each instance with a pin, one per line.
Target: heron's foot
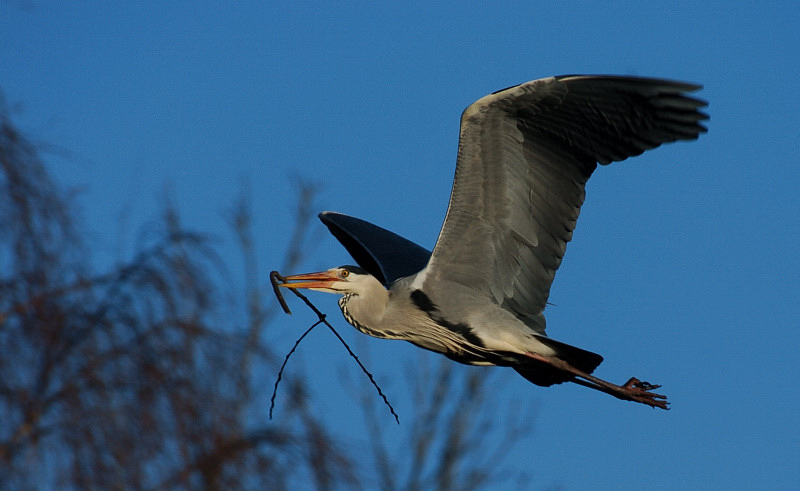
(639, 391)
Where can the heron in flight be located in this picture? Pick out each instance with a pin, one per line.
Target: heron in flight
(524, 156)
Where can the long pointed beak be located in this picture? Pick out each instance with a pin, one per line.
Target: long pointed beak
(322, 279)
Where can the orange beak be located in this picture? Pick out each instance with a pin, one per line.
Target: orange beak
(322, 279)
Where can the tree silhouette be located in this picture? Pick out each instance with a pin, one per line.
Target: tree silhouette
(143, 376)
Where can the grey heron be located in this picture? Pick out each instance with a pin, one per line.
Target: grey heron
(525, 154)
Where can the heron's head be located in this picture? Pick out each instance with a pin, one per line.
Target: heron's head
(341, 280)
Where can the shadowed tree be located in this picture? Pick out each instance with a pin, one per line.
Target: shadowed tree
(143, 376)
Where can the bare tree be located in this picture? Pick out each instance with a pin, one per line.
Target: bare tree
(143, 376)
(130, 377)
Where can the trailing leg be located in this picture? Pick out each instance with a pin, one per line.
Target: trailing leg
(633, 390)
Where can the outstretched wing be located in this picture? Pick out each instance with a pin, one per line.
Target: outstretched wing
(525, 154)
(384, 254)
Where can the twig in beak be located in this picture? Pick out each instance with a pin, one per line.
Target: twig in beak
(274, 277)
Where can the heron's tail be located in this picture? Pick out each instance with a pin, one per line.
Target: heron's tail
(541, 373)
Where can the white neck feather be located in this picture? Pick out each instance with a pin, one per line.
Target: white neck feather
(366, 308)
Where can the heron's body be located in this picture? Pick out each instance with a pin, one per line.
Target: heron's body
(413, 316)
(525, 154)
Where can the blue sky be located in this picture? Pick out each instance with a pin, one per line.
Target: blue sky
(684, 265)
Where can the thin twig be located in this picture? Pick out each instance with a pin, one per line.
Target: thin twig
(364, 369)
(283, 365)
(274, 276)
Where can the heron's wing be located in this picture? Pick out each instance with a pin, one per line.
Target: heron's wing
(384, 254)
(524, 156)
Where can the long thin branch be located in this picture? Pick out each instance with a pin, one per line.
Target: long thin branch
(283, 365)
(275, 277)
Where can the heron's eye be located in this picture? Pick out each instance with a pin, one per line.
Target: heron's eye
(345, 273)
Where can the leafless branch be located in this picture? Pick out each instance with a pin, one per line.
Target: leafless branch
(148, 374)
(275, 276)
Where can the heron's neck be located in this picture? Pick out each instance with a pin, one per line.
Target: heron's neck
(366, 312)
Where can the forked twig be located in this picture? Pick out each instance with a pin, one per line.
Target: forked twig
(274, 277)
